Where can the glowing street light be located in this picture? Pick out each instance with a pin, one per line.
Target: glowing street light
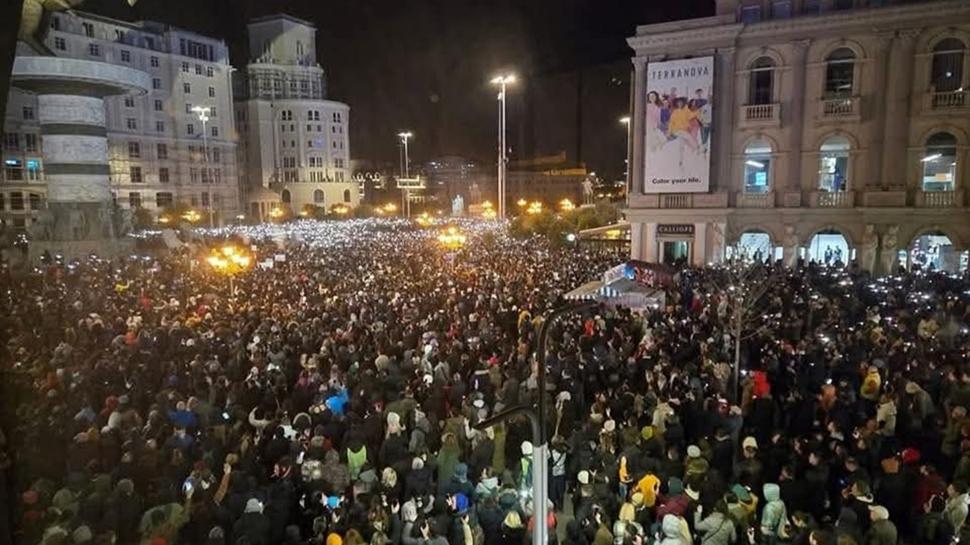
(535, 207)
(203, 113)
(423, 220)
(191, 216)
(341, 210)
(522, 203)
(390, 208)
(230, 261)
(566, 205)
(452, 238)
(276, 213)
(164, 220)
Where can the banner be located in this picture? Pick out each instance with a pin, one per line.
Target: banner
(677, 153)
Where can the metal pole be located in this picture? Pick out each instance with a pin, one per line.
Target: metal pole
(205, 160)
(502, 154)
(540, 484)
(407, 173)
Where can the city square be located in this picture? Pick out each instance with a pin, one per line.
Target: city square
(718, 296)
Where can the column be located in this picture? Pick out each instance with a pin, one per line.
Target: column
(650, 242)
(637, 119)
(636, 240)
(897, 111)
(699, 257)
(880, 58)
(75, 152)
(724, 110)
(797, 115)
(790, 246)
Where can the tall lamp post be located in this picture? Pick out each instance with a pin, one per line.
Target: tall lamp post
(203, 112)
(405, 170)
(502, 81)
(625, 121)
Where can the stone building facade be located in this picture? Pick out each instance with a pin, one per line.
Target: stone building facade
(840, 131)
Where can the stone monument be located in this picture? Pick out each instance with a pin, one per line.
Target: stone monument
(80, 217)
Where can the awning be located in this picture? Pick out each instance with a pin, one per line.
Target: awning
(631, 293)
(613, 231)
(586, 292)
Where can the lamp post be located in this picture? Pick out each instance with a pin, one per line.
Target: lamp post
(502, 81)
(230, 261)
(203, 112)
(405, 170)
(625, 120)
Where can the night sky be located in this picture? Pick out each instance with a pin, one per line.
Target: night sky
(424, 65)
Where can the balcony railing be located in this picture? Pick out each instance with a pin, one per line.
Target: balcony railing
(675, 201)
(950, 99)
(761, 115)
(840, 108)
(827, 199)
(939, 199)
(756, 200)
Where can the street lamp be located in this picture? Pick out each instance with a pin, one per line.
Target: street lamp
(566, 205)
(451, 238)
(191, 216)
(522, 203)
(405, 169)
(203, 112)
(229, 261)
(276, 213)
(534, 208)
(502, 81)
(625, 120)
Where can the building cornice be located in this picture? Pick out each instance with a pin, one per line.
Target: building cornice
(670, 37)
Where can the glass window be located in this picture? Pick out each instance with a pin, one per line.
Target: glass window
(11, 141)
(189, 129)
(161, 150)
(16, 200)
(208, 72)
(88, 29)
(839, 72)
(129, 102)
(134, 200)
(318, 196)
(187, 87)
(156, 83)
(757, 167)
(60, 45)
(34, 199)
(163, 176)
(125, 55)
(33, 170)
(131, 123)
(30, 142)
(28, 112)
(750, 14)
(163, 199)
(212, 91)
(781, 9)
(285, 196)
(135, 175)
(939, 162)
(946, 74)
(215, 131)
(134, 150)
(154, 62)
(346, 194)
(94, 50)
(761, 81)
(833, 166)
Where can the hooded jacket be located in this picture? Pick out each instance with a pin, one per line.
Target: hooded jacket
(715, 529)
(774, 516)
(673, 531)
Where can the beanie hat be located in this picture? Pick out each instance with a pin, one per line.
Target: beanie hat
(334, 539)
(526, 448)
(254, 506)
(675, 486)
(693, 451)
(82, 535)
(583, 477)
(461, 502)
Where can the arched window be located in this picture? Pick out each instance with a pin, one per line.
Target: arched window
(939, 162)
(346, 195)
(839, 72)
(833, 168)
(757, 167)
(318, 196)
(285, 196)
(947, 71)
(760, 84)
(299, 49)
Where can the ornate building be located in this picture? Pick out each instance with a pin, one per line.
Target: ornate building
(833, 130)
(293, 140)
(156, 142)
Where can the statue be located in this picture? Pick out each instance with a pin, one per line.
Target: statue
(870, 244)
(887, 253)
(34, 19)
(475, 193)
(790, 248)
(587, 191)
(458, 206)
(125, 220)
(78, 223)
(43, 226)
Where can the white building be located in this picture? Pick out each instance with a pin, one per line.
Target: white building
(834, 128)
(156, 146)
(294, 141)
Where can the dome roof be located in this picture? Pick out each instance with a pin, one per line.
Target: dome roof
(263, 194)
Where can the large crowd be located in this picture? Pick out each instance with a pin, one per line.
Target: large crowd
(331, 394)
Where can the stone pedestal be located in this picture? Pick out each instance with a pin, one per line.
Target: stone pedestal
(80, 215)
